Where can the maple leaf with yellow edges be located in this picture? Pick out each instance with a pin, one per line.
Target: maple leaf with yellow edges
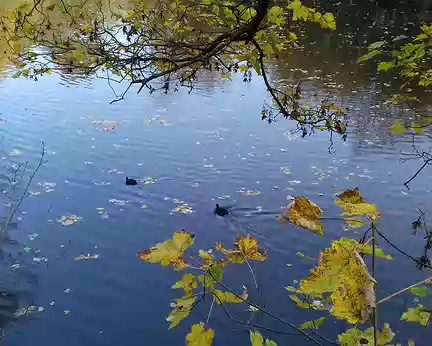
(354, 336)
(200, 336)
(171, 251)
(354, 204)
(304, 213)
(188, 283)
(228, 297)
(182, 308)
(343, 273)
(247, 249)
(210, 262)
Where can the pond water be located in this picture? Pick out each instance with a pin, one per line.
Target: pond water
(197, 148)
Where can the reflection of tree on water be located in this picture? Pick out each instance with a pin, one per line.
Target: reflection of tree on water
(17, 278)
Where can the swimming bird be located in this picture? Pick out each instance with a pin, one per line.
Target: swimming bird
(221, 211)
(130, 181)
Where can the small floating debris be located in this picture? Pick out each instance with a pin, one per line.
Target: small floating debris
(184, 209)
(224, 197)
(33, 193)
(33, 236)
(15, 152)
(119, 202)
(67, 312)
(101, 183)
(69, 220)
(87, 257)
(28, 311)
(195, 185)
(149, 180)
(106, 125)
(144, 206)
(67, 290)
(251, 193)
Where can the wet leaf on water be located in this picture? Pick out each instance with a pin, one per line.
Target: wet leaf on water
(304, 213)
(251, 193)
(118, 202)
(421, 291)
(183, 209)
(149, 180)
(87, 257)
(69, 220)
(313, 324)
(417, 315)
(247, 248)
(224, 197)
(302, 255)
(106, 125)
(356, 337)
(182, 308)
(170, 252)
(342, 272)
(67, 312)
(353, 203)
(200, 336)
(144, 206)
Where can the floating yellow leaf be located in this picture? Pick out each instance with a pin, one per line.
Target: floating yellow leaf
(188, 283)
(200, 336)
(356, 337)
(69, 220)
(355, 205)
(170, 252)
(182, 308)
(247, 249)
(228, 297)
(304, 213)
(343, 273)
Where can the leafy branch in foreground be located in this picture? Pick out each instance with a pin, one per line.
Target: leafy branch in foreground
(409, 59)
(340, 285)
(169, 44)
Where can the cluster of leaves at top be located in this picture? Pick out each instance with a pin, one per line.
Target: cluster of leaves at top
(341, 283)
(167, 44)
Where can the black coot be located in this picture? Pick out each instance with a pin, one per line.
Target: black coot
(130, 181)
(221, 211)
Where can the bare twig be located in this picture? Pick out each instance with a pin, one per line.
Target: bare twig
(404, 290)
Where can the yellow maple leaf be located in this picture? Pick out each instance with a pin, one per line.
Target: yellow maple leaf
(188, 283)
(353, 203)
(343, 273)
(247, 249)
(210, 262)
(182, 308)
(228, 297)
(170, 252)
(304, 213)
(200, 336)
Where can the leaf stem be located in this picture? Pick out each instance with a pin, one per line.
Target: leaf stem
(374, 309)
(252, 272)
(210, 311)
(404, 290)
